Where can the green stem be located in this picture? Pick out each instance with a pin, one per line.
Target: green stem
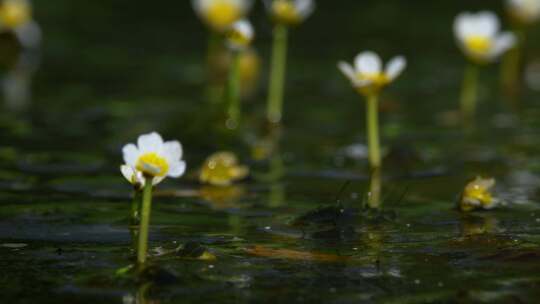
(372, 120)
(145, 222)
(469, 92)
(375, 185)
(233, 92)
(277, 74)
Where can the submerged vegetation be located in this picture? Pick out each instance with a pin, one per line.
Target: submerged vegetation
(312, 202)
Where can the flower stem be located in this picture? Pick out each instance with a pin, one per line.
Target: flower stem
(277, 74)
(372, 120)
(374, 195)
(233, 92)
(469, 92)
(145, 222)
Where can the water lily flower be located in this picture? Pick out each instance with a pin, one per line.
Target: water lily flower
(368, 76)
(147, 164)
(479, 36)
(153, 158)
(222, 169)
(524, 11)
(240, 35)
(220, 15)
(290, 12)
(478, 195)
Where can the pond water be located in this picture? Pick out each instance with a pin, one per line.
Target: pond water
(111, 71)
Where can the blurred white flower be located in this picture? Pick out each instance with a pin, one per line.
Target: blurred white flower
(479, 36)
(240, 35)
(152, 158)
(368, 76)
(524, 11)
(220, 15)
(290, 12)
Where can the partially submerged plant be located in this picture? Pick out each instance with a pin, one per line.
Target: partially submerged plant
(478, 195)
(479, 37)
(147, 164)
(222, 169)
(239, 38)
(368, 78)
(284, 13)
(522, 14)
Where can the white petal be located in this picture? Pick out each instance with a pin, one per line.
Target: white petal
(463, 26)
(245, 28)
(487, 24)
(131, 154)
(305, 7)
(151, 142)
(172, 151)
(347, 70)
(368, 63)
(177, 169)
(503, 43)
(395, 67)
(128, 172)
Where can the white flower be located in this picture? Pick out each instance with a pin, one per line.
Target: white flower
(240, 35)
(479, 36)
(290, 12)
(368, 76)
(221, 14)
(524, 11)
(152, 158)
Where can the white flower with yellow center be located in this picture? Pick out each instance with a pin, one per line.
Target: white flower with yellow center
(479, 36)
(221, 14)
(240, 35)
(524, 11)
(368, 76)
(290, 12)
(152, 158)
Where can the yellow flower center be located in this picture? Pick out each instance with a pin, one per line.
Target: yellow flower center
(222, 14)
(479, 45)
(377, 82)
(152, 164)
(284, 11)
(14, 13)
